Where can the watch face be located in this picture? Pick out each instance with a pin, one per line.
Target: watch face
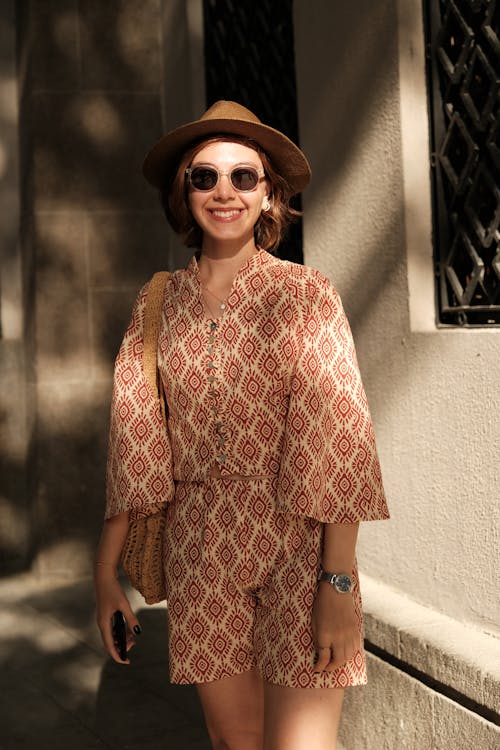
(343, 583)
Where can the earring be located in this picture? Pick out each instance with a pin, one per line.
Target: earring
(266, 204)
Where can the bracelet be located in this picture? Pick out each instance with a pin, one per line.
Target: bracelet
(106, 565)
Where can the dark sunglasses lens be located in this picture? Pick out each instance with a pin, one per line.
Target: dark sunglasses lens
(203, 178)
(244, 178)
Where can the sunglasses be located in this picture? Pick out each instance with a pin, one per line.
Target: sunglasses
(243, 179)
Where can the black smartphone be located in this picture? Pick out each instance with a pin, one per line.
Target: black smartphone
(119, 626)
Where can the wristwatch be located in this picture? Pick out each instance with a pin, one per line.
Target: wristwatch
(341, 582)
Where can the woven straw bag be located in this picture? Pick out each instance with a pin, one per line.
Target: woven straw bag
(142, 553)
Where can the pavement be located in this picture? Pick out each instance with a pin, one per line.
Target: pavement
(60, 691)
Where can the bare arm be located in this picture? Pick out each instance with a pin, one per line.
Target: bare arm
(109, 593)
(113, 535)
(334, 622)
(339, 547)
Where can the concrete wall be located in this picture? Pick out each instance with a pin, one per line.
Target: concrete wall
(396, 710)
(434, 393)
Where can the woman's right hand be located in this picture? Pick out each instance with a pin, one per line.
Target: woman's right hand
(109, 597)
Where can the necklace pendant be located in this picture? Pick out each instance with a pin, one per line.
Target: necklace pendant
(223, 306)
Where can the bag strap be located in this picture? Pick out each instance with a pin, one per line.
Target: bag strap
(152, 321)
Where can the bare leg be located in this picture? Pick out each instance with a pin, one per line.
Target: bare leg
(298, 718)
(234, 711)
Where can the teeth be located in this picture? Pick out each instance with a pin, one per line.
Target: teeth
(225, 214)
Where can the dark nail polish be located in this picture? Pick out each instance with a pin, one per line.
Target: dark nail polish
(137, 629)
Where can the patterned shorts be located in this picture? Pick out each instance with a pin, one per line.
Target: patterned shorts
(241, 581)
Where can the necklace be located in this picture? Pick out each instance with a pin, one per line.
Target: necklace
(222, 302)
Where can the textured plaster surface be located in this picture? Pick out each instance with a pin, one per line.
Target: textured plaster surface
(434, 396)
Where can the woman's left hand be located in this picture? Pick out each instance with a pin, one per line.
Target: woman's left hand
(335, 628)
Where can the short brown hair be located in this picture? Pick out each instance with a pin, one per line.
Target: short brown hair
(271, 225)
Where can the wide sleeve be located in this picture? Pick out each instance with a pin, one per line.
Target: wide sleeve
(139, 475)
(329, 467)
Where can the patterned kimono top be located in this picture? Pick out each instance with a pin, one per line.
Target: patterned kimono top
(270, 388)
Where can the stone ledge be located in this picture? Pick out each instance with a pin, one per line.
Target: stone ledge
(397, 712)
(459, 656)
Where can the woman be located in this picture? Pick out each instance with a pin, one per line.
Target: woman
(269, 462)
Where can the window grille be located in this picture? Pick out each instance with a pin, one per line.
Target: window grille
(249, 58)
(463, 53)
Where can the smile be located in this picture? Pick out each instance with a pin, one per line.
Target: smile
(229, 214)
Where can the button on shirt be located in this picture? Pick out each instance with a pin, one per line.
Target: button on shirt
(271, 387)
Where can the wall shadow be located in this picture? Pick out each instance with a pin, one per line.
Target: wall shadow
(137, 705)
(60, 690)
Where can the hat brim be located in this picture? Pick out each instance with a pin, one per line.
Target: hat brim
(288, 159)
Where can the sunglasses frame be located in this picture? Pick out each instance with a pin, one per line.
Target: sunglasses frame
(226, 173)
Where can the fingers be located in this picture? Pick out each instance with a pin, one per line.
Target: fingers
(133, 625)
(338, 659)
(132, 621)
(330, 658)
(323, 658)
(106, 628)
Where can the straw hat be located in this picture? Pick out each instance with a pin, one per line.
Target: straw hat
(231, 118)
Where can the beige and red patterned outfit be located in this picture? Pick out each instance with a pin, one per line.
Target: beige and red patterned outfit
(269, 437)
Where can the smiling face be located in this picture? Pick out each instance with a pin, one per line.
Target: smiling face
(224, 214)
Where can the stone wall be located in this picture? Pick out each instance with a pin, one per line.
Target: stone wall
(14, 434)
(90, 80)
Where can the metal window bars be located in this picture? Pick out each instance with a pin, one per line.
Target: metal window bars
(463, 54)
